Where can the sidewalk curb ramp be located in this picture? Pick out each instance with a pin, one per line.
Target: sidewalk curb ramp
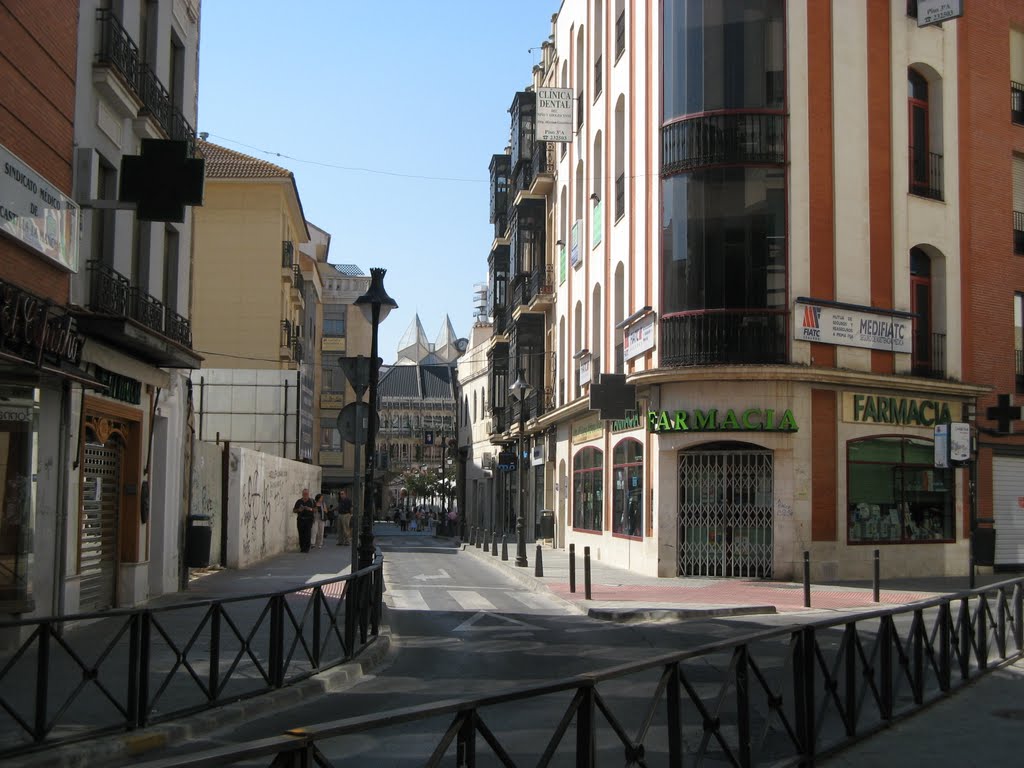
(104, 749)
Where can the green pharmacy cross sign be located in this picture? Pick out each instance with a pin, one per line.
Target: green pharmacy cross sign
(716, 420)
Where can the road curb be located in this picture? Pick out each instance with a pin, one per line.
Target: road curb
(626, 615)
(102, 750)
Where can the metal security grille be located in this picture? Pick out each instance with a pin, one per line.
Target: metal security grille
(725, 513)
(101, 493)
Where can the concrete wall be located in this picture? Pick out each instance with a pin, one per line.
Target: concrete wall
(261, 492)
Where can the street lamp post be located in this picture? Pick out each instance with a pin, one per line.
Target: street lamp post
(375, 305)
(357, 371)
(520, 390)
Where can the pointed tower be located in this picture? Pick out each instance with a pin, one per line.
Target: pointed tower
(446, 347)
(413, 347)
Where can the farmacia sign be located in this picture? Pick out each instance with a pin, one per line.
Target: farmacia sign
(716, 420)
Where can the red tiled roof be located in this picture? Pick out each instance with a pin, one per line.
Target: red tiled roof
(224, 163)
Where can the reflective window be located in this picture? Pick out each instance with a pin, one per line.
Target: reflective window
(588, 489)
(628, 488)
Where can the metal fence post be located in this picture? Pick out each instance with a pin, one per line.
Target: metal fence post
(918, 659)
(675, 723)
(807, 579)
(132, 697)
(586, 572)
(877, 582)
(572, 568)
(965, 638)
(1018, 615)
(982, 624)
(276, 641)
(42, 681)
(885, 634)
(945, 672)
(214, 678)
(465, 751)
(850, 668)
(1001, 624)
(318, 595)
(743, 706)
(586, 738)
(145, 646)
(803, 690)
(350, 618)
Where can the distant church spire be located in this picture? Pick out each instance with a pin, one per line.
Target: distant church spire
(413, 347)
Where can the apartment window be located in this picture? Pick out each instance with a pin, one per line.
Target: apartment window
(330, 438)
(588, 490)
(620, 28)
(1018, 340)
(628, 488)
(598, 48)
(176, 74)
(895, 493)
(334, 319)
(1018, 204)
(171, 256)
(103, 220)
(925, 164)
(1017, 77)
(921, 306)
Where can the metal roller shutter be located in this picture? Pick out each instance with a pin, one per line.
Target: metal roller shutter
(101, 495)
(1008, 492)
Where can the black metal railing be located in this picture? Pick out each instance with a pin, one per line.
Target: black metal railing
(286, 333)
(724, 336)
(500, 317)
(542, 281)
(287, 253)
(105, 672)
(543, 159)
(499, 421)
(117, 49)
(620, 35)
(598, 77)
(296, 348)
(521, 290)
(925, 174)
(157, 99)
(934, 365)
(742, 137)
(298, 281)
(1018, 232)
(501, 225)
(1017, 102)
(112, 293)
(579, 110)
(782, 697)
(620, 196)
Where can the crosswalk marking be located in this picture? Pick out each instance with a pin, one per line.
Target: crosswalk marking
(407, 600)
(472, 601)
(531, 599)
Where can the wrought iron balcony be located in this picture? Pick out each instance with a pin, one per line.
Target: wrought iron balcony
(724, 336)
(925, 174)
(114, 300)
(287, 253)
(118, 50)
(620, 35)
(1018, 232)
(1017, 102)
(521, 290)
(286, 333)
(735, 137)
(298, 281)
(542, 282)
(931, 362)
(499, 421)
(500, 321)
(543, 172)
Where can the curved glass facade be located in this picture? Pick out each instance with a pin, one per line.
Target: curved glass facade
(723, 55)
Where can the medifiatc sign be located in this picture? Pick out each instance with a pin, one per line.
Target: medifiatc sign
(901, 411)
(714, 420)
(554, 114)
(35, 212)
(851, 328)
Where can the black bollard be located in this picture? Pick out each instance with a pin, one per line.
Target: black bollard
(487, 539)
(876, 585)
(572, 568)
(586, 572)
(494, 545)
(538, 569)
(807, 579)
(504, 548)
(478, 534)
(472, 536)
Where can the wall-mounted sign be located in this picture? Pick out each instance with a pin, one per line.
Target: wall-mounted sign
(119, 387)
(901, 411)
(537, 456)
(852, 327)
(507, 461)
(16, 413)
(628, 423)
(585, 370)
(574, 250)
(938, 11)
(32, 329)
(333, 344)
(715, 420)
(35, 212)
(587, 430)
(639, 338)
(554, 114)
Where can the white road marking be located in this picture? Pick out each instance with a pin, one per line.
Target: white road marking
(471, 601)
(505, 623)
(531, 599)
(407, 600)
(442, 574)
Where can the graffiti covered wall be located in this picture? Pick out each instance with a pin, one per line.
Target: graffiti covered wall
(261, 492)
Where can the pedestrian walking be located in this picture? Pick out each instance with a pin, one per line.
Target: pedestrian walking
(319, 520)
(345, 517)
(305, 511)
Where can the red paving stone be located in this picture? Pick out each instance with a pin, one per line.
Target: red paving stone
(737, 593)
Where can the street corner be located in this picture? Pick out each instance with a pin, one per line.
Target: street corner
(637, 615)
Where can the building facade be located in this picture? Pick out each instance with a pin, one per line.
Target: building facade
(346, 333)
(767, 217)
(253, 332)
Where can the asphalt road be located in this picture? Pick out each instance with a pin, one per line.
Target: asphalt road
(461, 629)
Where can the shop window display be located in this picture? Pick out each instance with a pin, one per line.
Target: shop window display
(588, 490)
(628, 488)
(895, 494)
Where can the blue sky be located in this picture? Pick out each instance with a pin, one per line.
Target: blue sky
(408, 87)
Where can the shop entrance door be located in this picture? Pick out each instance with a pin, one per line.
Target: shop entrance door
(98, 539)
(725, 512)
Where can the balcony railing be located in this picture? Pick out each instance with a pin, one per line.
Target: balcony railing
(118, 49)
(598, 77)
(925, 174)
(112, 293)
(542, 281)
(1017, 102)
(724, 336)
(932, 363)
(543, 159)
(620, 35)
(298, 282)
(287, 253)
(521, 290)
(500, 320)
(620, 196)
(719, 139)
(1018, 232)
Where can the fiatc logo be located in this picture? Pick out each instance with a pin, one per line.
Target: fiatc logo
(812, 322)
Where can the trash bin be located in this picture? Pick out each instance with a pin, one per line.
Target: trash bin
(547, 524)
(198, 536)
